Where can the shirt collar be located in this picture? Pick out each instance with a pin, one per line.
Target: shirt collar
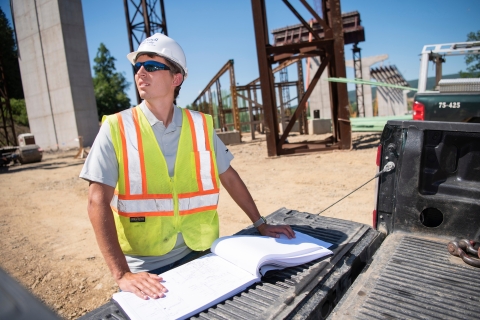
(152, 120)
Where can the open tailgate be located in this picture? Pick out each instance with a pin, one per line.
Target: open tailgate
(307, 291)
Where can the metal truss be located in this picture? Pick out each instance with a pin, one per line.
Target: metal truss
(205, 101)
(251, 112)
(357, 66)
(144, 20)
(330, 49)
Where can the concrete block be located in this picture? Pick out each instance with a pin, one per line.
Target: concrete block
(319, 126)
(230, 137)
(295, 127)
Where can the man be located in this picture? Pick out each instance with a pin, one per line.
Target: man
(157, 167)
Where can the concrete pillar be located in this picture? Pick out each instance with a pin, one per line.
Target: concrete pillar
(55, 69)
(391, 102)
(320, 97)
(367, 62)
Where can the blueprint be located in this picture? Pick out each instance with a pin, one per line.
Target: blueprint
(192, 287)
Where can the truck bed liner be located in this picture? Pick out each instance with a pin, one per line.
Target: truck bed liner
(307, 291)
(413, 277)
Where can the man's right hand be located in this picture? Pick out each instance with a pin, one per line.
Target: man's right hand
(143, 284)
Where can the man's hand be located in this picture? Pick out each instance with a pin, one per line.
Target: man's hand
(240, 194)
(275, 230)
(144, 285)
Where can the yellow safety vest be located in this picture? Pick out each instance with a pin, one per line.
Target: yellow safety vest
(149, 206)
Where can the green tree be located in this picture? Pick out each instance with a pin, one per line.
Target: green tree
(9, 59)
(19, 111)
(109, 86)
(472, 60)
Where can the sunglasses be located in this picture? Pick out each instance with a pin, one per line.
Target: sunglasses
(150, 66)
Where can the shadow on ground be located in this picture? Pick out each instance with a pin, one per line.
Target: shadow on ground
(39, 165)
(366, 141)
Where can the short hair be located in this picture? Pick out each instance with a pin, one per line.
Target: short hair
(174, 69)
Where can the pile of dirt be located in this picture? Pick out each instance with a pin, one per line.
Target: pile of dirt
(48, 244)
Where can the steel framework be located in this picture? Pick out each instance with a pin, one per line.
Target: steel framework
(251, 112)
(330, 49)
(353, 31)
(205, 101)
(357, 66)
(143, 21)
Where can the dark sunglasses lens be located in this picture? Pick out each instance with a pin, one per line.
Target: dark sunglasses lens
(150, 66)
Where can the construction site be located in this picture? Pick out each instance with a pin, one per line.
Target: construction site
(297, 141)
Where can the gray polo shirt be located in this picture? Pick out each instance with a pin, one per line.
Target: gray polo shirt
(101, 166)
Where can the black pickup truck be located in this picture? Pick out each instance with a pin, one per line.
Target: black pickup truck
(428, 192)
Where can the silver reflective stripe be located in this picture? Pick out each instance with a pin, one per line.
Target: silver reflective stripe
(114, 201)
(198, 202)
(204, 155)
(199, 130)
(206, 170)
(134, 167)
(144, 205)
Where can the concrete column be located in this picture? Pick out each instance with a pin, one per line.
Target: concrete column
(367, 62)
(55, 69)
(391, 102)
(320, 97)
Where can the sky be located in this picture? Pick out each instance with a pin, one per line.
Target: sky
(211, 32)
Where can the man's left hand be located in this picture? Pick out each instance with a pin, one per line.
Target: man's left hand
(274, 231)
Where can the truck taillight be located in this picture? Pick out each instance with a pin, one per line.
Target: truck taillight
(379, 156)
(378, 163)
(418, 111)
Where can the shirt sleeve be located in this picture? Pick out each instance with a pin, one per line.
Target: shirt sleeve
(223, 155)
(101, 164)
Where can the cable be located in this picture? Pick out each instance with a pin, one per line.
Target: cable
(387, 168)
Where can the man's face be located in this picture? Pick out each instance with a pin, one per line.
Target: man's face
(155, 85)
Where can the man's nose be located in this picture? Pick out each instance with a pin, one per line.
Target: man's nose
(141, 71)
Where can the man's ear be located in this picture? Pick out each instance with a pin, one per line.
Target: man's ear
(177, 79)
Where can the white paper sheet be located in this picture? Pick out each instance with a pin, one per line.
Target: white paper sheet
(192, 287)
(251, 252)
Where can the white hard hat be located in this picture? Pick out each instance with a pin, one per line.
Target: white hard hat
(163, 46)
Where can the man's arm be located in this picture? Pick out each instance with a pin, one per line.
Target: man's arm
(240, 194)
(143, 284)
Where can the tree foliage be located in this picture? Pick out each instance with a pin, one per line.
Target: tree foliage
(472, 60)
(9, 59)
(109, 85)
(19, 111)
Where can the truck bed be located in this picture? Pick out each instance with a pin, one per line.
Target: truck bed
(413, 277)
(307, 291)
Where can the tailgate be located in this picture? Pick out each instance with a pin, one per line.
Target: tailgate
(413, 278)
(307, 291)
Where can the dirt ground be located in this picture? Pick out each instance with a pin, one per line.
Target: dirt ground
(49, 247)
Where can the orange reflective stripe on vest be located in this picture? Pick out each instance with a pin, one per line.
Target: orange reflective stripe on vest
(201, 146)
